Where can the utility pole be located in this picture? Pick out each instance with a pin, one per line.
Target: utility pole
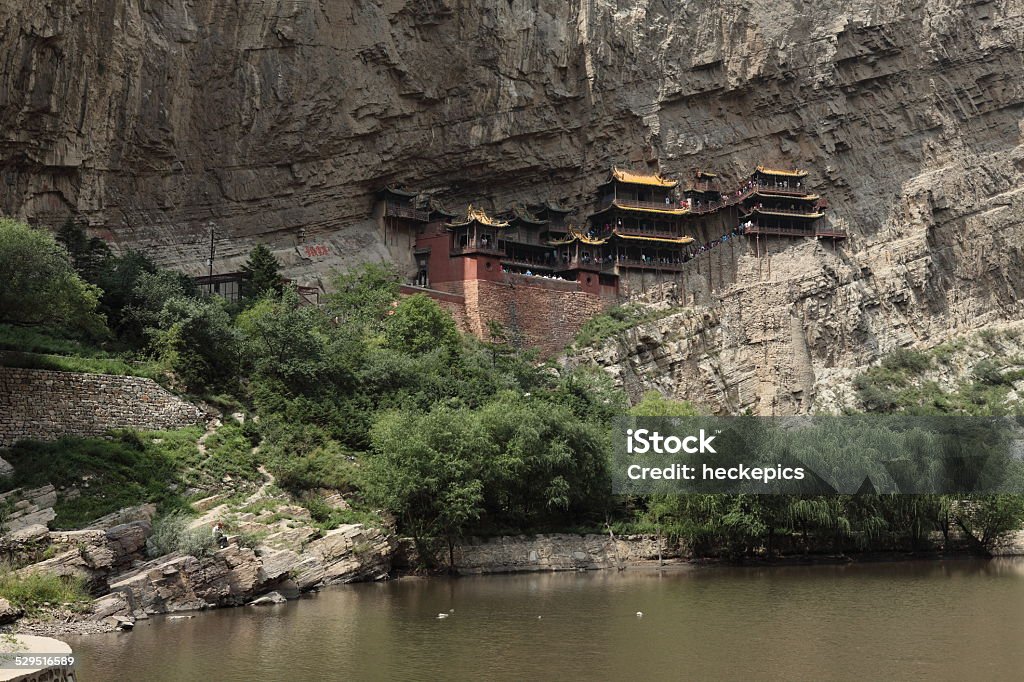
(210, 262)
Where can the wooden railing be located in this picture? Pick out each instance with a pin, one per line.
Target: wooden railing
(636, 203)
(653, 264)
(647, 233)
(822, 232)
(581, 264)
(788, 191)
(514, 262)
(779, 231)
(477, 247)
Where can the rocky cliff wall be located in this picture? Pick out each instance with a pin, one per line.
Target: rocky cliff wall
(151, 120)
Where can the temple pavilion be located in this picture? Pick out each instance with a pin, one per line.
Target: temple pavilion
(639, 222)
(778, 203)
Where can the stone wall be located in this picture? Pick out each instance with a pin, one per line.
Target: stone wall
(535, 313)
(46, 405)
(554, 552)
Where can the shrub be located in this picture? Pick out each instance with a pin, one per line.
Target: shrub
(40, 286)
(906, 360)
(197, 341)
(990, 372)
(171, 533)
(31, 590)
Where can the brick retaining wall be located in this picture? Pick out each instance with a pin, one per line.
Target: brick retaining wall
(45, 405)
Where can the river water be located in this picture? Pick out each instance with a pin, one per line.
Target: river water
(950, 620)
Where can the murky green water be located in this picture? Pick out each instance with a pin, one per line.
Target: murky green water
(935, 620)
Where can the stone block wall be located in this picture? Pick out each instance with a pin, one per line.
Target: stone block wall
(554, 552)
(46, 405)
(536, 313)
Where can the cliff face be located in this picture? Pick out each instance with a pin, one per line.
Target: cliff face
(151, 119)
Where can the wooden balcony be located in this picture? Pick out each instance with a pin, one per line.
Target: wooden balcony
(830, 233)
(477, 247)
(393, 210)
(653, 264)
(779, 231)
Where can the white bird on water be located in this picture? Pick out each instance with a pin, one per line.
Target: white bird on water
(639, 614)
(442, 615)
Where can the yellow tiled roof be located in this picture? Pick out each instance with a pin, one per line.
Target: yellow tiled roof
(670, 240)
(634, 178)
(775, 171)
(665, 211)
(478, 215)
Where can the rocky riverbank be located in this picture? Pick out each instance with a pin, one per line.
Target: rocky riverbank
(110, 557)
(272, 555)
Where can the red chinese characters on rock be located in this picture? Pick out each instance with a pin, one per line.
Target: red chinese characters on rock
(316, 250)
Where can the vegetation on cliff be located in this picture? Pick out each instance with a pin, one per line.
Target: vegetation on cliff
(380, 398)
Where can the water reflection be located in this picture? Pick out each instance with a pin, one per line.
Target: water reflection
(945, 620)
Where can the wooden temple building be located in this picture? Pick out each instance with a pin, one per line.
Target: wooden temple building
(778, 203)
(643, 224)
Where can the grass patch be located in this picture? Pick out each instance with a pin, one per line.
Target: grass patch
(616, 320)
(897, 385)
(83, 365)
(326, 517)
(229, 453)
(32, 591)
(171, 533)
(324, 466)
(906, 361)
(108, 473)
(42, 340)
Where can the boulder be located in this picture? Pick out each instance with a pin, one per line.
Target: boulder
(268, 599)
(30, 534)
(5, 468)
(74, 563)
(293, 539)
(127, 541)
(349, 553)
(231, 576)
(9, 612)
(143, 512)
(114, 604)
(29, 507)
(276, 564)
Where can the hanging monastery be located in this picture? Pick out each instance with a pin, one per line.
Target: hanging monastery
(540, 274)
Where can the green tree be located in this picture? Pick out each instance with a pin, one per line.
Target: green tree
(261, 273)
(135, 291)
(196, 339)
(363, 297)
(40, 285)
(428, 470)
(549, 467)
(986, 519)
(88, 254)
(418, 325)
